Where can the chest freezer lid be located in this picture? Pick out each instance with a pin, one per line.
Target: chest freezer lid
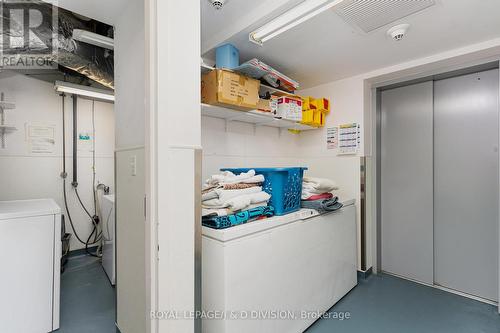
(28, 208)
(225, 235)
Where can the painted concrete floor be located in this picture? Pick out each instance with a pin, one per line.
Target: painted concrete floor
(87, 298)
(379, 304)
(388, 304)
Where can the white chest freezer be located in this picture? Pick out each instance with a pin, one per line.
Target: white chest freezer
(30, 257)
(277, 275)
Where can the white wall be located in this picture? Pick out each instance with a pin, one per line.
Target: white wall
(239, 146)
(131, 283)
(242, 146)
(174, 143)
(130, 237)
(24, 175)
(346, 96)
(130, 75)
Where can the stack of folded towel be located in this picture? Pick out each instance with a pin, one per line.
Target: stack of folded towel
(226, 194)
(316, 194)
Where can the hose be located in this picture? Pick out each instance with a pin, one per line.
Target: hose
(97, 235)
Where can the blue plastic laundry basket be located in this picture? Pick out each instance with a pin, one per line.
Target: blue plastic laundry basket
(283, 184)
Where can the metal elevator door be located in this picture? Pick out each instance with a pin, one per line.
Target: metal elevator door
(466, 183)
(406, 201)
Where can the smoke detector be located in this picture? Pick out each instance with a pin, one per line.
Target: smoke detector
(218, 4)
(398, 32)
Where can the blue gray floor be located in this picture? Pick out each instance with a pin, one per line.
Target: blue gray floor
(87, 298)
(388, 304)
(379, 304)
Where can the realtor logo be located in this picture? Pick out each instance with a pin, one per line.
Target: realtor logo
(28, 34)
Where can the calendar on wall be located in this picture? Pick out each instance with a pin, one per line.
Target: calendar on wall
(349, 138)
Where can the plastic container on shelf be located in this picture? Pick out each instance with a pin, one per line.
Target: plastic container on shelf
(318, 118)
(322, 104)
(308, 117)
(227, 56)
(308, 103)
(314, 111)
(283, 184)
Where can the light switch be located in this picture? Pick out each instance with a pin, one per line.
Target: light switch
(133, 165)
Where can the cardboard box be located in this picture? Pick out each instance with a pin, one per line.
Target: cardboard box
(264, 105)
(288, 107)
(226, 88)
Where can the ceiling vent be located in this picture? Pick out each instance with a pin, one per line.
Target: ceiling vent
(369, 15)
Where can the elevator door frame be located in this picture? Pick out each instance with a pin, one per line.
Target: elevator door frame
(377, 151)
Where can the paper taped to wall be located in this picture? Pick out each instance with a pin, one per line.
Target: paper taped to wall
(41, 138)
(85, 141)
(332, 138)
(349, 138)
(42, 146)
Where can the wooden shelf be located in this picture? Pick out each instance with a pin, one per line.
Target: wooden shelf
(255, 117)
(7, 105)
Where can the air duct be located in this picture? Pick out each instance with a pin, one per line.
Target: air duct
(91, 61)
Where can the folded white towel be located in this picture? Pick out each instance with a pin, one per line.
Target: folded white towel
(307, 194)
(209, 195)
(219, 212)
(227, 177)
(219, 196)
(245, 201)
(320, 185)
(227, 211)
(238, 203)
(314, 186)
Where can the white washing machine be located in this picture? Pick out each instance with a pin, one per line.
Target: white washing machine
(108, 231)
(30, 257)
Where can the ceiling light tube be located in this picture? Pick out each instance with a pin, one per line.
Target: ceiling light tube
(89, 92)
(93, 39)
(295, 16)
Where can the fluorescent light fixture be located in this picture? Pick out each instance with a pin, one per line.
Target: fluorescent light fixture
(93, 39)
(89, 92)
(295, 16)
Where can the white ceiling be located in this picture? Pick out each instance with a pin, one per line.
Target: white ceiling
(326, 48)
(106, 11)
(215, 20)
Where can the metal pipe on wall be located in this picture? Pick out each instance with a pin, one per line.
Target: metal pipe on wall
(75, 141)
(363, 211)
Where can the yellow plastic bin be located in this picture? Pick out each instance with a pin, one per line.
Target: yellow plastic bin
(308, 103)
(318, 118)
(322, 104)
(307, 117)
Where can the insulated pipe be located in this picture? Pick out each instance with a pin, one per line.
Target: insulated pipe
(75, 141)
(63, 173)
